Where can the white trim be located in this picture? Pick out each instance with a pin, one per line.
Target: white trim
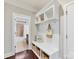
(14, 15)
(8, 54)
(68, 4)
(21, 50)
(20, 15)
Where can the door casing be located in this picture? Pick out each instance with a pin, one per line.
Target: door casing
(13, 28)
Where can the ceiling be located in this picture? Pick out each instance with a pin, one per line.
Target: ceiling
(37, 4)
(32, 5)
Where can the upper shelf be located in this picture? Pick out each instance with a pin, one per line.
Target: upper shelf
(46, 15)
(40, 22)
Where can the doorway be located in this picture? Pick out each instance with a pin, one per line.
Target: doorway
(21, 33)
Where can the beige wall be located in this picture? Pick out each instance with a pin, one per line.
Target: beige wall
(8, 10)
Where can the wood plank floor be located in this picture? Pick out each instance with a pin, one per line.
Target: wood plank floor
(24, 55)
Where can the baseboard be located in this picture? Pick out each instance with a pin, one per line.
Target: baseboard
(12, 53)
(8, 54)
(21, 50)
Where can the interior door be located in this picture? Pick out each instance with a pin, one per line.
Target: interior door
(70, 31)
(21, 29)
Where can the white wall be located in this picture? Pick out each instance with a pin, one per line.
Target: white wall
(8, 10)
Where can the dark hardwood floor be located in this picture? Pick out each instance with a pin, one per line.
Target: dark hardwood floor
(24, 55)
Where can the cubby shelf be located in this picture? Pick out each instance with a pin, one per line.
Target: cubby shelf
(46, 49)
(36, 54)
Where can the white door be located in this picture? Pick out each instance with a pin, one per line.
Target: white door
(70, 31)
(20, 29)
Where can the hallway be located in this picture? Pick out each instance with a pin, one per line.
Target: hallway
(36, 29)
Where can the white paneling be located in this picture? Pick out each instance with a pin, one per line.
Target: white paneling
(54, 25)
(70, 31)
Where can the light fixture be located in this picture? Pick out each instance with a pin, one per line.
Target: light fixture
(49, 31)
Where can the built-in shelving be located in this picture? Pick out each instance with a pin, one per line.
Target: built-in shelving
(46, 15)
(40, 22)
(44, 50)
